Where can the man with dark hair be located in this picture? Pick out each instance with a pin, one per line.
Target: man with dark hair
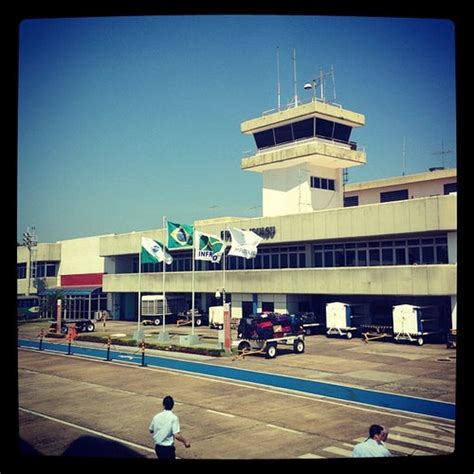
(373, 446)
(165, 429)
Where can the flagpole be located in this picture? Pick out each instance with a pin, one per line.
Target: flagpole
(139, 286)
(164, 276)
(223, 272)
(192, 289)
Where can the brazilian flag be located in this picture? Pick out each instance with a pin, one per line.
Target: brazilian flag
(180, 235)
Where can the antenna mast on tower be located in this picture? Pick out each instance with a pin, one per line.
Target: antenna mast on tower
(294, 77)
(278, 79)
(442, 153)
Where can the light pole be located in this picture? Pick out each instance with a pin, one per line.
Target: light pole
(30, 241)
(219, 293)
(226, 318)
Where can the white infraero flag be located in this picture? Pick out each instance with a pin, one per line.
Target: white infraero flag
(208, 247)
(153, 252)
(244, 243)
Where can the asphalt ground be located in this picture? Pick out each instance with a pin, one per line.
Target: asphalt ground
(71, 406)
(427, 371)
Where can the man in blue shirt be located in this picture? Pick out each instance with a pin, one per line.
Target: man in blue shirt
(373, 446)
(165, 429)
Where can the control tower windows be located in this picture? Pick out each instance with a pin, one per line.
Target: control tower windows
(283, 134)
(308, 128)
(303, 129)
(342, 132)
(265, 139)
(324, 128)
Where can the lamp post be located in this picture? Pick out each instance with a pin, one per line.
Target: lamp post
(226, 317)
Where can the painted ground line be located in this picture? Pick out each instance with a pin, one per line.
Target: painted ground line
(424, 434)
(276, 390)
(284, 429)
(441, 427)
(221, 413)
(310, 456)
(88, 430)
(369, 397)
(339, 451)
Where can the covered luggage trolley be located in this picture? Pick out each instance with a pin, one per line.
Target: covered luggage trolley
(343, 319)
(263, 333)
(414, 323)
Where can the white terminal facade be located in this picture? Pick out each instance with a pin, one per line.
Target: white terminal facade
(383, 242)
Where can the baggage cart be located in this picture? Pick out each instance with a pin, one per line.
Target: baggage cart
(414, 323)
(268, 346)
(342, 320)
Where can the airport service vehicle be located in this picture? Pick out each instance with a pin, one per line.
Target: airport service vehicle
(81, 325)
(152, 308)
(185, 317)
(343, 319)
(263, 333)
(414, 323)
(28, 307)
(310, 322)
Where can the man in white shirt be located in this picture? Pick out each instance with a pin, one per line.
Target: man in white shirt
(373, 446)
(165, 429)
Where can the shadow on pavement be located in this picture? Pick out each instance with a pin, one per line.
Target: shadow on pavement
(94, 446)
(27, 450)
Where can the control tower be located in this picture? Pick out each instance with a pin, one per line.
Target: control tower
(301, 152)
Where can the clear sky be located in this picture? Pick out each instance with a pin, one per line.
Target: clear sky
(122, 120)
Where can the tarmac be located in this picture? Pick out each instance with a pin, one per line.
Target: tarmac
(230, 419)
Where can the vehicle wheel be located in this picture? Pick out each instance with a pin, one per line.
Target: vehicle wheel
(271, 351)
(90, 327)
(298, 346)
(64, 329)
(198, 322)
(244, 346)
(307, 332)
(157, 321)
(349, 335)
(420, 341)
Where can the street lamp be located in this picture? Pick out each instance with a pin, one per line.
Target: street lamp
(219, 293)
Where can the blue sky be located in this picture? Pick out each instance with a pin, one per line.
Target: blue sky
(122, 120)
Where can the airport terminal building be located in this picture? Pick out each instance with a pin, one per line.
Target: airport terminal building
(384, 242)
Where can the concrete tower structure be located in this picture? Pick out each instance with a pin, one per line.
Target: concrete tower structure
(301, 152)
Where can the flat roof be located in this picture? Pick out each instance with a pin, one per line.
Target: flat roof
(394, 181)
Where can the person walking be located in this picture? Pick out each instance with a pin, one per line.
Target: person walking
(165, 430)
(373, 446)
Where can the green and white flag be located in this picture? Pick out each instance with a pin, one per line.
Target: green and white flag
(180, 235)
(208, 247)
(154, 252)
